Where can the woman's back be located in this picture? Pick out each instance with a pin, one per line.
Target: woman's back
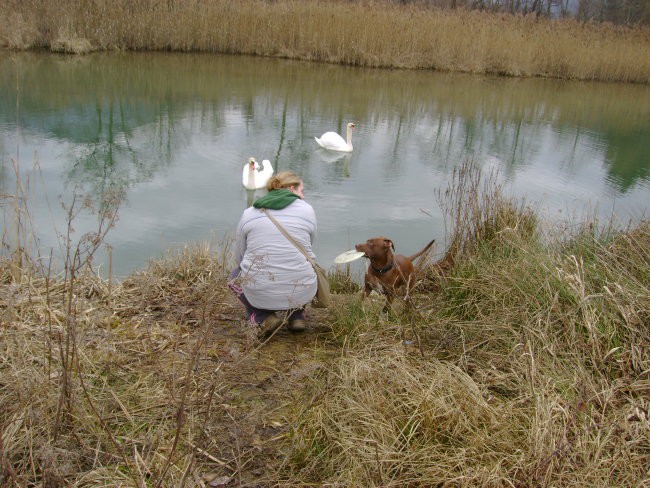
(274, 273)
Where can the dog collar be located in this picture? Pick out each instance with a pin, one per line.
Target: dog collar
(383, 270)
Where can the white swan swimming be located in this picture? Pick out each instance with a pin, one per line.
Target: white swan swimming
(334, 142)
(255, 176)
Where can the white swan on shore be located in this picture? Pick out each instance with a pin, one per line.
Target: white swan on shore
(334, 142)
(255, 176)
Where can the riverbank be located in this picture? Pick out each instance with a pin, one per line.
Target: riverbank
(523, 363)
(376, 34)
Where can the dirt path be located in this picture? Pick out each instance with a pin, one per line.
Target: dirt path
(255, 386)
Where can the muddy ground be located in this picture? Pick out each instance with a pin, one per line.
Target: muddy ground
(258, 386)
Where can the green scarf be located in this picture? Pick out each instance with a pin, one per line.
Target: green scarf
(276, 199)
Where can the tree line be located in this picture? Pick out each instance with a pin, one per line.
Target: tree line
(621, 12)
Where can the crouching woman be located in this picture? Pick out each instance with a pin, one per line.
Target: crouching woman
(273, 279)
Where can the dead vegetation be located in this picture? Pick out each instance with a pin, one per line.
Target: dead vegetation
(371, 34)
(165, 387)
(524, 364)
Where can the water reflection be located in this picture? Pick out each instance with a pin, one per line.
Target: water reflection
(252, 195)
(339, 162)
(171, 132)
(623, 153)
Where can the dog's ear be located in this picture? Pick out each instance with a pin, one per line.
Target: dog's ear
(389, 243)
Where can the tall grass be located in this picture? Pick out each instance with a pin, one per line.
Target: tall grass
(371, 34)
(535, 372)
(530, 369)
(131, 406)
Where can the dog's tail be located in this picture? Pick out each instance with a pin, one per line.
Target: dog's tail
(420, 253)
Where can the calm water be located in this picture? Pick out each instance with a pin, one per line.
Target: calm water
(172, 132)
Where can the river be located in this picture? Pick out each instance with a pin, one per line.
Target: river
(170, 133)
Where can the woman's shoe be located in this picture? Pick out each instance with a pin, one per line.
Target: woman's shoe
(297, 325)
(270, 324)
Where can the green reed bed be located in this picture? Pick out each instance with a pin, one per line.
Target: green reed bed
(370, 34)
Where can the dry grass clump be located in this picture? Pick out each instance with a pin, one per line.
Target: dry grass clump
(480, 218)
(173, 285)
(71, 46)
(571, 327)
(480, 214)
(103, 392)
(532, 368)
(23, 32)
(342, 281)
(382, 418)
(541, 377)
(376, 34)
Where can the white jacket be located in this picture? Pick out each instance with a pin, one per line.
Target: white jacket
(274, 274)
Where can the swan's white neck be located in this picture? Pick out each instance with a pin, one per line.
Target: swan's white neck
(251, 175)
(349, 141)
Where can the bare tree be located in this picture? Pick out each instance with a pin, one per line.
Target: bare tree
(626, 12)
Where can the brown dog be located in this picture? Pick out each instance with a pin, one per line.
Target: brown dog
(388, 272)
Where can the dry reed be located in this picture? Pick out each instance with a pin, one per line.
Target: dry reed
(375, 34)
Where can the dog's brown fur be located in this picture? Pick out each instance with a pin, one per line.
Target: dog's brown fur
(387, 272)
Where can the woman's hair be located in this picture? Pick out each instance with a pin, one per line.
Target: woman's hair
(284, 179)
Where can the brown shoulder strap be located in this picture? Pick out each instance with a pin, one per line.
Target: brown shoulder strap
(288, 236)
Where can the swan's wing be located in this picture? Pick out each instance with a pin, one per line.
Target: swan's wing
(267, 167)
(332, 139)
